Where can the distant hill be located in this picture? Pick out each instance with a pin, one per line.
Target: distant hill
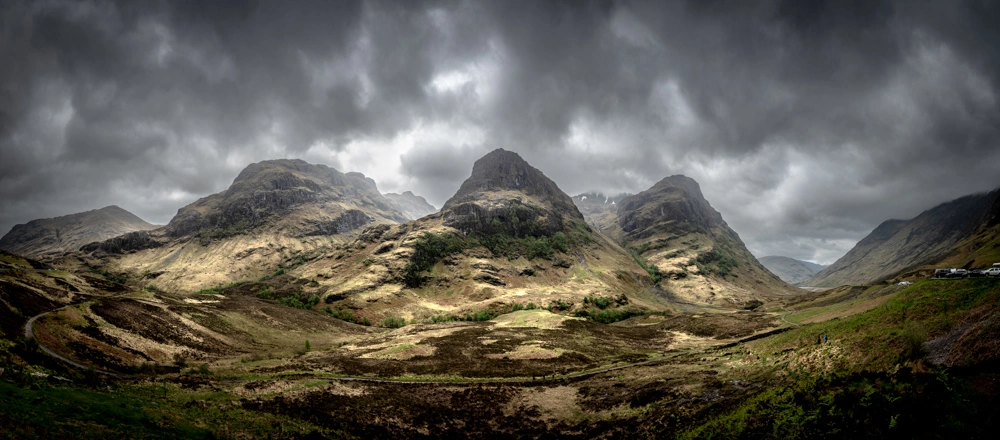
(412, 206)
(673, 229)
(962, 232)
(790, 270)
(69, 232)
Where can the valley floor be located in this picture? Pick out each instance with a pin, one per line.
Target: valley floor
(914, 361)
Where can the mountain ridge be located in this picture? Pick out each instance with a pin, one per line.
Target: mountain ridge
(69, 232)
(898, 246)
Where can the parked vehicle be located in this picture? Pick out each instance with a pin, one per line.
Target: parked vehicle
(943, 273)
(993, 271)
(976, 273)
(959, 273)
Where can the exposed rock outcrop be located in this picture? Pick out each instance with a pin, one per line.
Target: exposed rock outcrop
(131, 242)
(507, 195)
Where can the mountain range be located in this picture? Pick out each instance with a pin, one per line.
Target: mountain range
(508, 234)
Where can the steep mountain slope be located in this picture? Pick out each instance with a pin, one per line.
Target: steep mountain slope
(677, 232)
(272, 210)
(509, 235)
(412, 206)
(69, 232)
(790, 270)
(897, 246)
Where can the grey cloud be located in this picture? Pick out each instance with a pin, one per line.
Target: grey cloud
(807, 123)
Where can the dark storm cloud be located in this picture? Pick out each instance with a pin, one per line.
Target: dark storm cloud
(806, 123)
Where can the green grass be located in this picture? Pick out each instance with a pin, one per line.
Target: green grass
(871, 392)
(148, 411)
(119, 278)
(854, 406)
(654, 272)
(884, 336)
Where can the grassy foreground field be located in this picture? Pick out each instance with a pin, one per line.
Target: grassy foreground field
(913, 362)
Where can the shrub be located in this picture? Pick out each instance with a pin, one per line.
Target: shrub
(427, 251)
(560, 242)
(342, 314)
(537, 248)
(651, 269)
(265, 292)
(481, 315)
(203, 370)
(119, 278)
(560, 305)
(393, 322)
(292, 302)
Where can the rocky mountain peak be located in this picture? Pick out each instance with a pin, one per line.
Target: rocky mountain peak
(503, 170)
(676, 199)
(506, 194)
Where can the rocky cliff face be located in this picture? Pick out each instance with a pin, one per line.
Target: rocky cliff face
(897, 246)
(673, 204)
(68, 233)
(507, 194)
(410, 205)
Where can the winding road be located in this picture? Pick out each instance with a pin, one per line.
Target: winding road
(29, 334)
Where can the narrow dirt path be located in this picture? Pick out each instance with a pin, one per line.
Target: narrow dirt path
(788, 312)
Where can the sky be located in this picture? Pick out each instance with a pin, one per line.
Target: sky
(806, 123)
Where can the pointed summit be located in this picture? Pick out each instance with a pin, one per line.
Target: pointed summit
(675, 201)
(505, 172)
